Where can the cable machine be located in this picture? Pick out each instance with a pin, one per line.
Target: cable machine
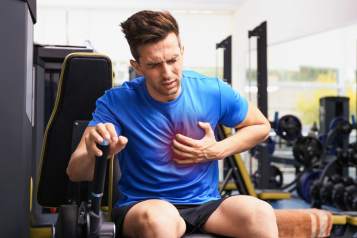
(262, 84)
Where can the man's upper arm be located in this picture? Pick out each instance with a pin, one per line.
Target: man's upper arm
(253, 117)
(233, 107)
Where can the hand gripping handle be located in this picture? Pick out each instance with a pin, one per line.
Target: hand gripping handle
(99, 176)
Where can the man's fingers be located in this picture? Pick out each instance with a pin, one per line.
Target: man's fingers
(102, 130)
(95, 137)
(113, 133)
(123, 140)
(118, 146)
(180, 153)
(181, 147)
(186, 140)
(184, 161)
(91, 145)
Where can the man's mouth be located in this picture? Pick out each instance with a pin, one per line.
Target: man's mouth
(168, 83)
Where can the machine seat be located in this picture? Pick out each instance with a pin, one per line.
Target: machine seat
(43, 220)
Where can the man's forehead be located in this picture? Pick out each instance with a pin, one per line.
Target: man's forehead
(165, 49)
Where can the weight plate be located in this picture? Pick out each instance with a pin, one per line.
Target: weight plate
(344, 127)
(288, 127)
(305, 182)
(307, 150)
(275, 178)
(336, 120)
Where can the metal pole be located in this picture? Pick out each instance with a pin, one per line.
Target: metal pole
(250, 72)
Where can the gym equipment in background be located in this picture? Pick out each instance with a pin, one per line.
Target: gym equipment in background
(17, 114)
(260, 32)
(276, 179)
(242, 181)
(48, 61)
(84, 78)
(132, 73)
(85, 220)
(226, 44)
(307, 150)
(287, 127)
(305, 181)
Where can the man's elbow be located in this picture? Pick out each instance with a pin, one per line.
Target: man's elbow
(267, 129)
(71, 175)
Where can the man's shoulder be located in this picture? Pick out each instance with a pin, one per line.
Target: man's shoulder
(128, 87)
(194, 75)
(201, 82)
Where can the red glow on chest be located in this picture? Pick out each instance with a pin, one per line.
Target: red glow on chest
(176, 155)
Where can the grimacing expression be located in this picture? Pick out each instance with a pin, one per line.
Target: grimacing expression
(161, 64)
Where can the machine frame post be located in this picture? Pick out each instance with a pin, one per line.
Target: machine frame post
(262, 98)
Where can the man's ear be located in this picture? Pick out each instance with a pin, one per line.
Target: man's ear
(182, 51)
(136, 67)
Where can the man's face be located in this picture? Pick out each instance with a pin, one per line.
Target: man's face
(161, 64)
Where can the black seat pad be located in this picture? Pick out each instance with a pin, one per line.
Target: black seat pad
(84, 79)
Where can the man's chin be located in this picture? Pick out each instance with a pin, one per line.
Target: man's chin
(170, 92)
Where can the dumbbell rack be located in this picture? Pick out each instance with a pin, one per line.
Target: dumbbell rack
(338, 165)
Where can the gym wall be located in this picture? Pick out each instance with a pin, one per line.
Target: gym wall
(287, 20)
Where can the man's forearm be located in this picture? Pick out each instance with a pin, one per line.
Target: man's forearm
(81, 166)
(243, 140)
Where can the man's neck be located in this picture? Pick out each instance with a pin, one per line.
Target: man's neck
(160, 97)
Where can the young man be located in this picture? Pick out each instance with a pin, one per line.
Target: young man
(168, 150)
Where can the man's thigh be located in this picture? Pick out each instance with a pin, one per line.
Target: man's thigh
(242, 216)
(152, 216)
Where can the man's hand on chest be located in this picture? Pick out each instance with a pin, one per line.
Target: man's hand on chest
(197, 151)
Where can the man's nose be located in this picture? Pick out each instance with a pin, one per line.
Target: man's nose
(166, 71)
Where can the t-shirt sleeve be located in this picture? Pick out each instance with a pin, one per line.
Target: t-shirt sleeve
(234, 107)
(104, 112)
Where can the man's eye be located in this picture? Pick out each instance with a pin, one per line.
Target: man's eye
(173, 60)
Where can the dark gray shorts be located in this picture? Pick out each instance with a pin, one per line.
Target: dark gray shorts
(194, 215)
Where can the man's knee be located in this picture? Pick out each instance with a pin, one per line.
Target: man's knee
(160, 218)
(252, 209)
(155, 218)
(264, 211)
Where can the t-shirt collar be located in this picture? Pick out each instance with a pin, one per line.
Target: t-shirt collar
(164, 104)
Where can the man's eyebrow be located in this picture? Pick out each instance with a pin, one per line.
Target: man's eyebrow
(156, 63)
(153, 63)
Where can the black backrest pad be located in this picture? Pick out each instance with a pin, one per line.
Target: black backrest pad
(84, 79)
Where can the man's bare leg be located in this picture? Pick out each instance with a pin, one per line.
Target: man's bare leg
(153, 218)
(243, 216)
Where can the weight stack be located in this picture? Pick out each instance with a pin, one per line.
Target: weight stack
(331, 107)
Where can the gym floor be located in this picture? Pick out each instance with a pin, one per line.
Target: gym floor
(295, 202)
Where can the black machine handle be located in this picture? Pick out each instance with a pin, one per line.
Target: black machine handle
(99, 176)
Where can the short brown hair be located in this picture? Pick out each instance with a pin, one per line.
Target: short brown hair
(146, 27)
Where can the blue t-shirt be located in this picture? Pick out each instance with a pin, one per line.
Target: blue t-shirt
(147, 165)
